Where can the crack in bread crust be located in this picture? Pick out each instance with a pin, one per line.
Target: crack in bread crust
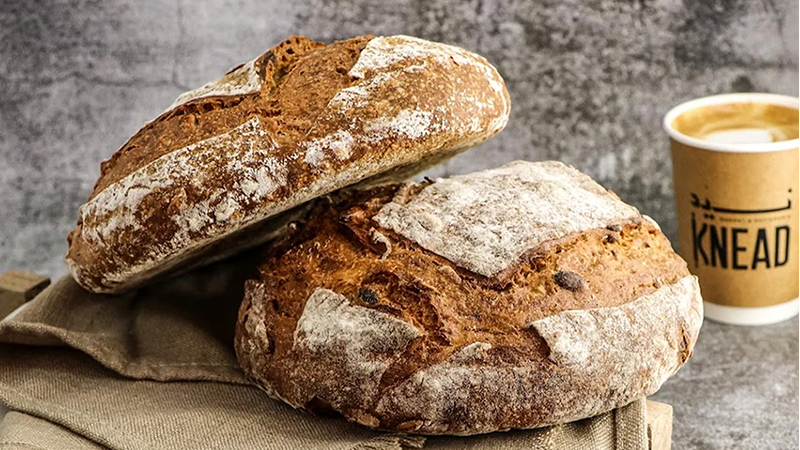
(194, 116)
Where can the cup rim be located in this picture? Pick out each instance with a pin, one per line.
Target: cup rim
(771, 99)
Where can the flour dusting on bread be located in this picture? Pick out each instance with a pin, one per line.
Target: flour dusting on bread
(602, 359)
(412, 124)
(373, 70)
(240, 80)
(340, 144)
(484, 221)
(242, 154)
(471, 353)
(362, 336)
(576, 338)
(383, 52)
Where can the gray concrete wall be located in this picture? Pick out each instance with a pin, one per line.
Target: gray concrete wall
(589, 82)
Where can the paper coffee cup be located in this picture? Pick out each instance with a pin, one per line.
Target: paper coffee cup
(735, 166)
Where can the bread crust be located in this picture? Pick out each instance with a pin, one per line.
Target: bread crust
(359, 314)
(301, 120)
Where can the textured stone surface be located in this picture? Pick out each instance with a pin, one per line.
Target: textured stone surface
(739, 390)
(589, 82)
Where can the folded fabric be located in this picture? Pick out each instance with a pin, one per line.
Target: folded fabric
(155, 369)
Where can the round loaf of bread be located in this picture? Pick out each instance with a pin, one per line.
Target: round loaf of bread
(517, 297)
(301, 120)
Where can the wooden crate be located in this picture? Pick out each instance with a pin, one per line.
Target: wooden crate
(18, 287)
(659, 425)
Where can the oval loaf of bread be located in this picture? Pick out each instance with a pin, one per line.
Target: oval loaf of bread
(517, 297)
(301, 120)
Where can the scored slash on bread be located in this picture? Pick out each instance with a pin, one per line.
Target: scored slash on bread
(301, 120)
(516, 297)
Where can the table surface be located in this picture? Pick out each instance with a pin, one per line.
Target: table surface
(739, 390)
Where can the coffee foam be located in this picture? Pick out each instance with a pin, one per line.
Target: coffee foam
(739, 123)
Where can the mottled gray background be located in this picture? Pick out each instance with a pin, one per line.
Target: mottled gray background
(589, 83)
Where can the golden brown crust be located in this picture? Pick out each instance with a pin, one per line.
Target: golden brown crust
(300, 121)
(206, 117)
(340, 249)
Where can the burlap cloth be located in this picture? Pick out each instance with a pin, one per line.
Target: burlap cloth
(156, 370)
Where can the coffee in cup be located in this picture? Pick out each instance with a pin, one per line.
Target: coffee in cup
(735, 166)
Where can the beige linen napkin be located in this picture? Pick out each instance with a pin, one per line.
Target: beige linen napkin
(155, 369)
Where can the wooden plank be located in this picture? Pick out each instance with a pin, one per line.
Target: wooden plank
(18, 287)
(659, 425)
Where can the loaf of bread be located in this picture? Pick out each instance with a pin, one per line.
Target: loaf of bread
(208, 176)
(517, 297)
